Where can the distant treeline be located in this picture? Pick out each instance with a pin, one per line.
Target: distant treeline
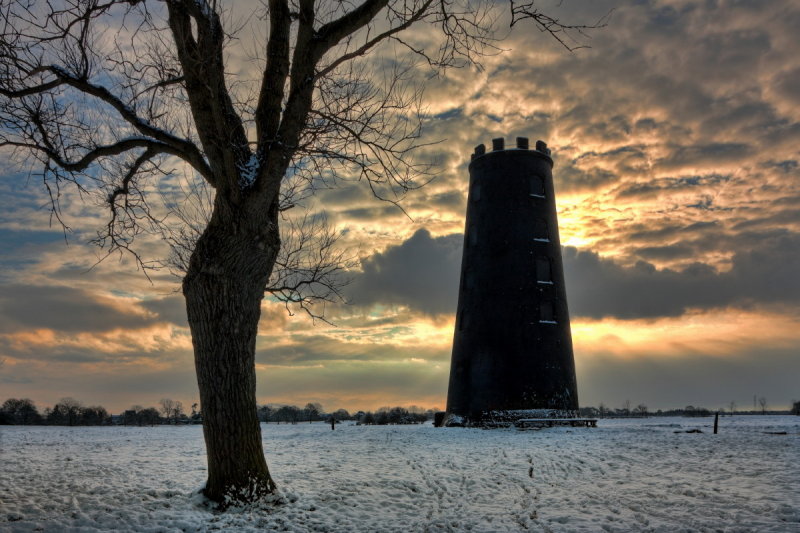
(642, 411)
(313, 412)
(71, 412)
(67, 412)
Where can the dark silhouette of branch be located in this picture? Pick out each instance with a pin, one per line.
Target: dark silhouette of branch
(558, 30)
(311, 269)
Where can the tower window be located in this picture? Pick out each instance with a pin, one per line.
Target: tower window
(476, 192)
(540, 230)
(546, 315)
(543, 271)
(537, 186)
(473, 236)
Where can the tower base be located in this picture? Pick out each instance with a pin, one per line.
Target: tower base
(509, 418)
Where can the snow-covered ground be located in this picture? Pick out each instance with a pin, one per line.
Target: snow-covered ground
(625, 475)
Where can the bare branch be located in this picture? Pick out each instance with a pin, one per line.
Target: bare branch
(176, 146)
(219, 126)
(558, 30)
(333, 32)
(93, 154)
(270, 99)
(310, 270)
(371, 43)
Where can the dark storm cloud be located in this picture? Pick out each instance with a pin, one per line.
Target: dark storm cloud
(598, 287)
(422, 273)
(311, 349)
(344, 194)
(573, 178)
(788, 85)
(652, 188)
(453, 201)
(647, 234)
(170, 309)
(706, 155)
(371, 213)
(668, 252)
(786, 166)
(62, 309)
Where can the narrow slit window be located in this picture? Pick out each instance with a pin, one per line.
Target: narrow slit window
(476, 192)
(546, 314)
(543, 270)
(537, 186)
(473, 236)
(540, 230)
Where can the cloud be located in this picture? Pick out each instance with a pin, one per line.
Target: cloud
(653, 188)
(124, 345)
(705, 155)
(598, 287)
(170, 309)
(319, 348)
(65, 309)
(787, 85)
(422, 273)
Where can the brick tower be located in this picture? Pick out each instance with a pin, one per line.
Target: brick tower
(512, 347)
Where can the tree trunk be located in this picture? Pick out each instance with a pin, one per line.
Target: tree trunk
(223, 287)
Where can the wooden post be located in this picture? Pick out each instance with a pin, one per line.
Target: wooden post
(716, 422)
(333, 423)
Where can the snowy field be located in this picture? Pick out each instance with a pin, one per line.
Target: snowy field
(625, 475)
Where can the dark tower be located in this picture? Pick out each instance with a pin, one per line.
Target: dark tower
(512, 348)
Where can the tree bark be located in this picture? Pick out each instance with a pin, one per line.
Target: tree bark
(223, 288)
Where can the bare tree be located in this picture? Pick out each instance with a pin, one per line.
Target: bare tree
(732, 407)
(66, 412)
(171, 409)
(111, 96)
(762, 402)
(21, 411)
(165, 405)
(341, 414)
(95, 415)
(313, 411)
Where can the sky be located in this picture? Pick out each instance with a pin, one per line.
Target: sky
(676, 142)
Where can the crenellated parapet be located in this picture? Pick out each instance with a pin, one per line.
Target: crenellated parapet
(498, 144)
